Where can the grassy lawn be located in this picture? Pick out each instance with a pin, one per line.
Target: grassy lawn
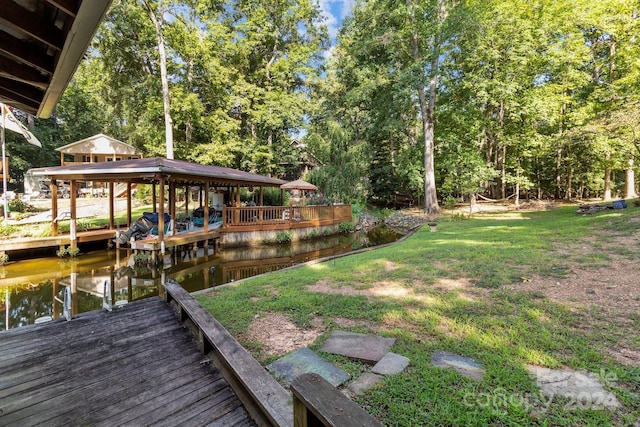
(457, 290)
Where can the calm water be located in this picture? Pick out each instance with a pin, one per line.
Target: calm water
(34, 289)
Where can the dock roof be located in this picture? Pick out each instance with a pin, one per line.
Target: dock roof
(150, 170)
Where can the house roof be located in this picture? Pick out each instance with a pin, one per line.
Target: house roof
(150, 170)
(98, 144)
(41, 45)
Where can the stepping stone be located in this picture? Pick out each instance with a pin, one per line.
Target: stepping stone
(368, 348)
(303, 361)
(583, 389)
(365, 382)
(466, 366)
(390, 364)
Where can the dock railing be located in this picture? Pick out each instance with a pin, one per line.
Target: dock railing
(266, 401)
(283, 217)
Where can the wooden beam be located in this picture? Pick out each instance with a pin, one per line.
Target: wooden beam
(26, 53)
(19, 93)
(21, 73)
(70, 7)
(32, 24)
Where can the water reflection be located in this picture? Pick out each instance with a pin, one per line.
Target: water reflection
(34, 289)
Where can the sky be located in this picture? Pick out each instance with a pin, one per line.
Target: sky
(335, 11)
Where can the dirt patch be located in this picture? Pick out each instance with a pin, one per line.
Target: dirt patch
(625, 356)
(613, 290)
(278, 335)
(607, 297)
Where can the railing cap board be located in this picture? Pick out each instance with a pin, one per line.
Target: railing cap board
(270, 396)
(327, 404)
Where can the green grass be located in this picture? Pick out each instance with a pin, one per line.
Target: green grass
(504, 329)
(43, 229)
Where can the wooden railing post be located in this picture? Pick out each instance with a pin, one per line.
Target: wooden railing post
(317, 403)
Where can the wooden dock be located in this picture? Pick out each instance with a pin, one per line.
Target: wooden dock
(137, 365)
(61, 240)
(158, 361)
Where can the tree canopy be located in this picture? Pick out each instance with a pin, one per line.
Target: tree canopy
(420, 100)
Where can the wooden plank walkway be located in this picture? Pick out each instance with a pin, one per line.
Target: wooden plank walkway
(25, 243)
(135, 366)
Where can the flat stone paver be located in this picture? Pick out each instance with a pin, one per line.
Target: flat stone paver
(303, 361)
(466, 366)
(391, 364)
(365, 382)
(368, 348)
(583, 389)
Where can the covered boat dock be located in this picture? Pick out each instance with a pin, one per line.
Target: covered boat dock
(165, 176)
(237, 224)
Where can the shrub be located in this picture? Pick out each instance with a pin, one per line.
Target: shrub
(17, 205)
(346, 227)
(283, 237)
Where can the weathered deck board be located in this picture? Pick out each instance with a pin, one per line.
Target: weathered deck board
(134, 366)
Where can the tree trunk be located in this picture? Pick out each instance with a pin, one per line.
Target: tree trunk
(630, 181)
(427, 109)
(607, 183)
(158, 22)
(517, 198)
(569, 191)
(503, 172)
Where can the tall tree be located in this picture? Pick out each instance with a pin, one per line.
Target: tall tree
(156, 14)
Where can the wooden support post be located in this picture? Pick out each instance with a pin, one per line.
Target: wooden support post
(205, 222)
(172, 204)
(74, 290)
(73, 243)
(261, 203)
(53, 188)
(155, 197)
(128, 204)
(111, 206)
(55, 308)
(318, 403)
(187, 194)
(237, 205)
(161, 210)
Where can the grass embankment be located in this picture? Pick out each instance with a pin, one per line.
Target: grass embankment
(457, 290)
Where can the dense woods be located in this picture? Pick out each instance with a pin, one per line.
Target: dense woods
(422, 100)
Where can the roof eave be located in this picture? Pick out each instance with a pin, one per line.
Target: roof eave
(78, 39)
